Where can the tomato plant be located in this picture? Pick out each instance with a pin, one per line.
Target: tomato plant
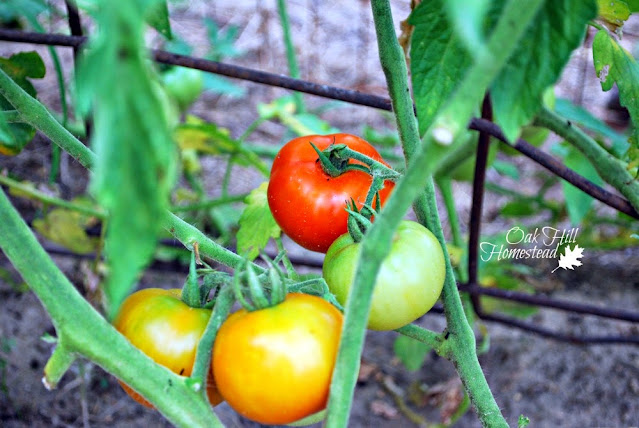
(167, 330)
(274, 365)
(309, 204)
(409, 282)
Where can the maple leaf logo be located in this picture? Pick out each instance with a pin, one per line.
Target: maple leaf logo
(570, 258)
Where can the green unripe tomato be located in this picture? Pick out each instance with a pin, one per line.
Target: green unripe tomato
(184, 85)
(410, 278)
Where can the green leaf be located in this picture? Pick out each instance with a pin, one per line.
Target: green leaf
(523, 421)
(222, 86)
(613, 12)
(584, 118)
(439, 60)
(614, 64)
(518, 209)
(633, 5)
(537, 62)
(20, 67)
(158, 18)
(467, 18)
(411, 352)
(507, 169)
(385, 138)
(67, 228)
(23, 65)
(136, 158)
(257, 224)
(283, 109)
(222, 42)
(204, 137)
(578, 203)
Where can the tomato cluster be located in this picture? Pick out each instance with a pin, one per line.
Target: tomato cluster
(274, 364)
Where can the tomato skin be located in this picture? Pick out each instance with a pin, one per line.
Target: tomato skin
(274, 365)
(408, 284)
(308, 204)
(167, 330)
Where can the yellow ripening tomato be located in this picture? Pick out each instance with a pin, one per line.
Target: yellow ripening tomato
(166, 329)
(274, 365)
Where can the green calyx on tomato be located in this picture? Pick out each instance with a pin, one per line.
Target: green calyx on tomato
(274, 365)
(308, 203)
(167, 330)
(409, 281)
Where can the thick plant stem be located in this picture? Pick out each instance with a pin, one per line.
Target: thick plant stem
(611, 169)
(448, 125)
(37, 115)
(83, 330)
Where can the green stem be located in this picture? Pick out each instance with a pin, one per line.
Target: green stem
(223, 305)
(375, 166)
(55, 150)
(11, 116)
(188, 235)
(191, 290)
(32, 193)
(58, 364)
(227, 176)
(446, 188)
(448, 125)
(251, 128)
(210, 203)
(294, 71)
(432, 339)
(37, 115)
(14, 116)
(611, 169)
(290, 270)
(73, 317)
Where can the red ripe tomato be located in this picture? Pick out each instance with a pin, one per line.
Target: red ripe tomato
(308, 204)
(274, 365)
(166, 329)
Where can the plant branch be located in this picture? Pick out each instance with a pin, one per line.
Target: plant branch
(37, 115)
(73, 317)
(611, 169)
(223, 304)
(30, 192)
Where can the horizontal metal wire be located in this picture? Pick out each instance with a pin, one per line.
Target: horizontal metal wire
(350, 96)
(369, 100)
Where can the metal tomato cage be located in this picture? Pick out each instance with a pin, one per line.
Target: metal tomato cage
(483, 125)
